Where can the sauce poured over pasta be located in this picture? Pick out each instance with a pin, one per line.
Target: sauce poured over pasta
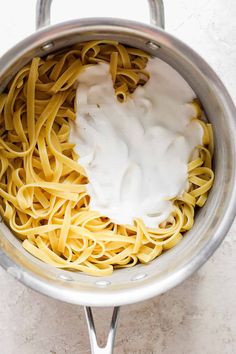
(135, 153)
(43, 187)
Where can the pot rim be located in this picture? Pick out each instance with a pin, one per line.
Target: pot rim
(148, 288)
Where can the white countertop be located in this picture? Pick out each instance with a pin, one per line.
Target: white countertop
(197, 317)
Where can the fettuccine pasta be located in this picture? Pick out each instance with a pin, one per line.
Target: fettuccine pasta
(43, 196)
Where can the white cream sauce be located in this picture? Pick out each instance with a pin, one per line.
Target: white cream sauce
(135, 153)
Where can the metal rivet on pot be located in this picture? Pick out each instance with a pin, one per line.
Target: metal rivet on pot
(139, 276)
(103, 283)
(47, 46)
(152, 45)
(65, 277)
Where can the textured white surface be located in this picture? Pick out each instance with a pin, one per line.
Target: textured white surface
(197, 317)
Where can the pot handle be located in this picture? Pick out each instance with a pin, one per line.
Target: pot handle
(95, 348)
(43, 13)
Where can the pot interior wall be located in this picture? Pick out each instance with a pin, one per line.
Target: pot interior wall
(212, 221)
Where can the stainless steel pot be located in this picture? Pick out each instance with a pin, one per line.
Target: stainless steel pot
(213, 220)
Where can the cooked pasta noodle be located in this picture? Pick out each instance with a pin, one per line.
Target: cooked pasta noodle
(43, 194)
